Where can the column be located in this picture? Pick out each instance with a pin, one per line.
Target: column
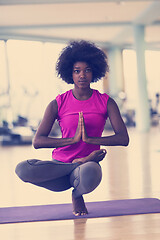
(142, 103)
(116, 78)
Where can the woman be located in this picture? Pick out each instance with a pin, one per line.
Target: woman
(81, 113)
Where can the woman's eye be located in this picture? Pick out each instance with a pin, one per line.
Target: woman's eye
(88, 70)
(76, 71)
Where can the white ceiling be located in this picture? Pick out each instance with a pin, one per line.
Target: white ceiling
(107, 22)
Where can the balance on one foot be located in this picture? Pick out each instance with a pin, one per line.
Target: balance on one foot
(81, 113)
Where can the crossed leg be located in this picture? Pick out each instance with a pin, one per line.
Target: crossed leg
(95, 156)
(84, 177)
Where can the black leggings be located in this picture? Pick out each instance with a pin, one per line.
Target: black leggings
(58, 176)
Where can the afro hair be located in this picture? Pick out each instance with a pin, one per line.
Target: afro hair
(81, 51)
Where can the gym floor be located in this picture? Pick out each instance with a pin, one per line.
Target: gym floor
(128, 172)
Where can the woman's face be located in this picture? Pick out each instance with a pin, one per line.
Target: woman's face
(82, 75)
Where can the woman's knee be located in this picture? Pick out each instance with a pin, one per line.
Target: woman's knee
(87, 177)
(22, 170)
(91, 175)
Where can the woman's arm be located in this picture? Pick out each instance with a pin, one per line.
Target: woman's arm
(42, 139)
(120, 136)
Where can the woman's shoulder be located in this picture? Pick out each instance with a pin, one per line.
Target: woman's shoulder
(61, 98)
(63, 95)
(104, 96)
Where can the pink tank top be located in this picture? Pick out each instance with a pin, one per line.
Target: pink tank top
(95, 114)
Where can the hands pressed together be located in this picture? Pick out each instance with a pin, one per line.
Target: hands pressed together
(81, 133)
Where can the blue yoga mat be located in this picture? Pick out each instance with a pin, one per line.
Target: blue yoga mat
(64, 211)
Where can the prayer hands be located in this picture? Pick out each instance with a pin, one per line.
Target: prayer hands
(84, 132)
(81, 130)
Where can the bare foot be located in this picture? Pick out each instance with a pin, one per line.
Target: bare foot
(95, 156)
(79, 208)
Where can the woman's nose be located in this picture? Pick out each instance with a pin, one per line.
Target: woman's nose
(82, 74)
